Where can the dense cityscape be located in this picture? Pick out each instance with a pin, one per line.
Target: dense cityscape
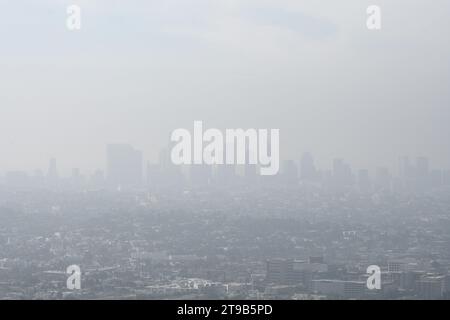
(225, 232)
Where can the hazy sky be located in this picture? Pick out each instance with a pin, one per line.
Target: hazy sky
(139, 69)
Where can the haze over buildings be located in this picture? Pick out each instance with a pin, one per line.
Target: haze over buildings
(87, 179)
(139, 69)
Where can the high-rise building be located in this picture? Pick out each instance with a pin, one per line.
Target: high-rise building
(77, 179)
(307, 168)
(52, 171)
(342, 174)
(383, 178)
(52, 174)
(164, 174)
(282, 271)
(97, 179)
(364, 180)
(124, 166)
(422, 173)
(422, 167)
(405, 168)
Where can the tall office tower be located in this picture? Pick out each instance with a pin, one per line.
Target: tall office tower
(363, 180)
(97, 179)
(289, 172)
(342, 175)
(422, 173)
(52, 173)
(124, 166)
(383, 179)
(307, 168)
(422, 168)
(407, 174)
(77, 179)
(164, 173)
(38, 178)
(406, 170)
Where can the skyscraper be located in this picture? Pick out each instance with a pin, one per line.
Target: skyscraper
(342, 174)
(363, 180)
(52, 171)
(164, 173)
(307, 169)
(405, 168)
(422, 173)
(124, 166)
(52, 174)
(383, 179)
(422, 169)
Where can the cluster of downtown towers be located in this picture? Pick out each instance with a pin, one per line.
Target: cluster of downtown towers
(125, 170)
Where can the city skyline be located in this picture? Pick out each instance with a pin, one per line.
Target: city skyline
(68, 168)
(138, 70)
(126, 168)
(242, 151)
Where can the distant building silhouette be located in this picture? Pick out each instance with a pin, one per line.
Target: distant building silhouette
(405, 168)
(415, 177)
(52, 174)
(124, 166)
(383, 179)
(164, 174)
(422, 173)
(97, 179)
(364, 184)
(342, 174)
(77, 179)
(308, 170)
